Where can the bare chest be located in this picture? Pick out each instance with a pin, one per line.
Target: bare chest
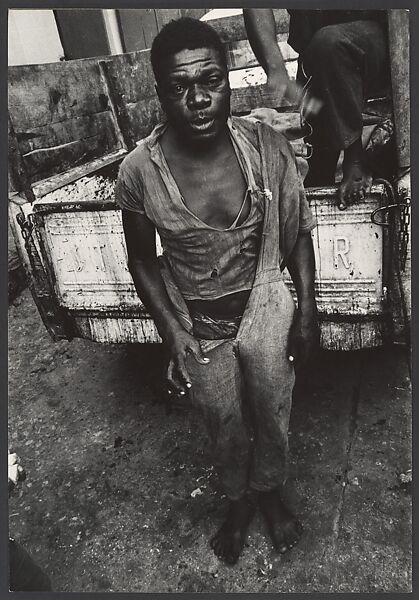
(214, 192)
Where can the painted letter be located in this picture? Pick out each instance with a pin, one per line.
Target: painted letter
(341, 251)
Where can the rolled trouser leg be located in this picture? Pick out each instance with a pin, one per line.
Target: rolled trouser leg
(347, 63)
(321, 165)
(217, 392)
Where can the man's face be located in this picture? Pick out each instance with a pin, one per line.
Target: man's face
(194, 92)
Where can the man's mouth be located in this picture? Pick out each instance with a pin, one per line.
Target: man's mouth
(202, 124)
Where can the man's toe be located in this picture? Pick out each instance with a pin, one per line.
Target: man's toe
(341, 199)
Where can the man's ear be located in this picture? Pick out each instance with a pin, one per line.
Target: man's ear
(158, 92)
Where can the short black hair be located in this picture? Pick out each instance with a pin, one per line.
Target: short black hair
(184, 34)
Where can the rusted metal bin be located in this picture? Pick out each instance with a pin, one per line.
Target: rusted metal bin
(80, 238)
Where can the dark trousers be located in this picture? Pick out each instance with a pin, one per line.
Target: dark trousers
(347, 63)
(25, 574)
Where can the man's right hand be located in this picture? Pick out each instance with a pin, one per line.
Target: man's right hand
(283, 89)
(181, 344)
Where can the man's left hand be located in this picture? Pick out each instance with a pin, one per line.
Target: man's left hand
(304, 337)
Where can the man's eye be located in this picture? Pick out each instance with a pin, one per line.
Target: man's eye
(214, 80)
(177, 89)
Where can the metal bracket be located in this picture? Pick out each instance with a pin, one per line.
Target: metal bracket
(385, 209)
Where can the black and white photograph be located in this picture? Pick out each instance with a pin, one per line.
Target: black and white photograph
(209, 299)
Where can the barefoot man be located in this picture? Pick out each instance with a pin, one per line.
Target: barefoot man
(229, 222)
(342, 61)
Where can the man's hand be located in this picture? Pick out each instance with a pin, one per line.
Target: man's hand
(304, 337)
(180, 344)
(283, 89)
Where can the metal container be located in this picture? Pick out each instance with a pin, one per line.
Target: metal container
(77, 230)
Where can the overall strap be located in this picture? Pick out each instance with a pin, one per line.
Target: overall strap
(269, 256)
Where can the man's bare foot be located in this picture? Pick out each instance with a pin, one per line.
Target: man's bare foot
(357, 180)
(284, 529)
(228, 542)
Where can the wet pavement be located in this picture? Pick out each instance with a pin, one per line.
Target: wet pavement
(121, 496)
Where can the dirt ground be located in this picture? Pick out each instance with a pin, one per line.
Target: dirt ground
(121, 496)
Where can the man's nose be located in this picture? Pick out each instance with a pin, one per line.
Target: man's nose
(198, 97)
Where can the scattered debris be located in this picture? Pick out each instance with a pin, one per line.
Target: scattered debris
(197, 492)
(82, 190)
(406, 477)
(119, 442)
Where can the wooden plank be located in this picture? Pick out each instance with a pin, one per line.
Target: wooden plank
(165, 15)
(139, 27)
(17, 175)
(245, 99)
(149, 24)
(194, 13)
(51, 93)
(131, 76)
(131, 29)
(240, 54)
(63, 115)
(91, 38)
(116, 331)
(131, 81)
(359, 335)
(60, 146)
(143, 116)
(232, 29)
(398, 29)
(46, 186)
(111, 95)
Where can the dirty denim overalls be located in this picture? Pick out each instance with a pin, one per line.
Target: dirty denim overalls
(251, 374)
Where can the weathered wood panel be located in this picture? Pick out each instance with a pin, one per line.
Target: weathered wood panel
(194, 13)
(399, 36)
(130, 82)
(240, 54)
(131, 75)
(57, 147)
(51, 184)
(49, 93)
(232, 28)
(116, 330)
(139, 27)
(18, 180)
(245, 99)
(143, 116)
(61, 115)
(344, 336)
(67, 114)
(91, 38)
(165, 15)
